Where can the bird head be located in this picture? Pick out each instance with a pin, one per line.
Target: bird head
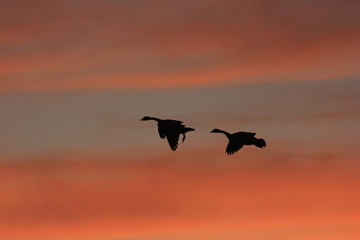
(145, 118)
(215, 130)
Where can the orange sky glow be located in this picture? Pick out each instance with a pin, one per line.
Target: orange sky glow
(90, 198)
(77, 76)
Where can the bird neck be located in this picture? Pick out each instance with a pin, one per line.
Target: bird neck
(224, 132)
(154, 118)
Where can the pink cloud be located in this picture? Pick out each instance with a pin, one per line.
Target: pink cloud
(92, 45)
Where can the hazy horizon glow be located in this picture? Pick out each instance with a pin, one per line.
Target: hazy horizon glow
(181, 195)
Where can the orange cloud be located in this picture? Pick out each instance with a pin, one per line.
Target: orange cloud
(83, 197)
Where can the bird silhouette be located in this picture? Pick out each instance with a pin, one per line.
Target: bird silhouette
(170, 129)
(239, 139)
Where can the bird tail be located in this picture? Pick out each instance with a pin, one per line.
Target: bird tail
(260, 143)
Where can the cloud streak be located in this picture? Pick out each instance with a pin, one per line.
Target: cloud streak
(92, 45)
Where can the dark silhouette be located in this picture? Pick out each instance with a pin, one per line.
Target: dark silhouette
(239, 139)
(171, 129)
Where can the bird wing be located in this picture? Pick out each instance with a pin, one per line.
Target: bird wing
(233, 147)
(161, 132)
(165, 126)
(245, 134)
(173, 121)
(173, 139)
(170, 129)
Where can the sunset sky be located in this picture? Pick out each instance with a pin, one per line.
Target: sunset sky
(76, 76)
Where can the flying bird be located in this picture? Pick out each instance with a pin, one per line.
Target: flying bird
(170, 129)
(239, 139)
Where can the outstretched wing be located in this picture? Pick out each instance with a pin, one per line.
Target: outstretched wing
(245, 134)
(170, 129)
(173, 139)
(166, 126)
(161, 131)
(233, 147)
(170, 121)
